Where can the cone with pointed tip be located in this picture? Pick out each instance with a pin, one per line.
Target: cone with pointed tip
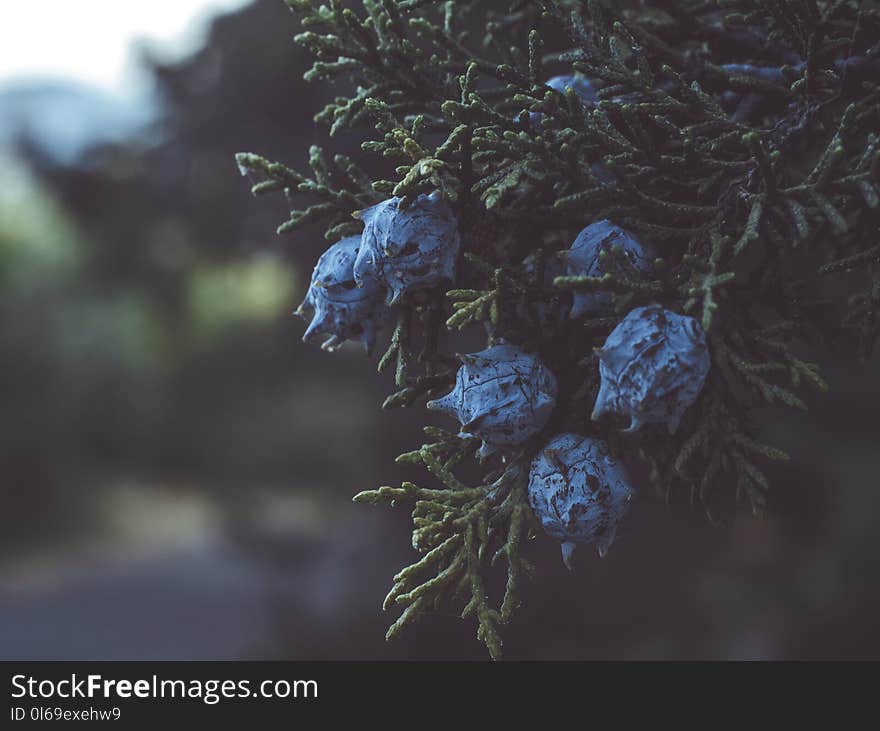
(653, 366)
(338, 308)
(585, 258)
(408, 250)
(579, 492)
(502, 395)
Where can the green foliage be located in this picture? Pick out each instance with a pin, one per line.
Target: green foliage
(756, 215)
(458, 530)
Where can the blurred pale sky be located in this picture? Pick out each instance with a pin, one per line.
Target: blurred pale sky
(90, 40)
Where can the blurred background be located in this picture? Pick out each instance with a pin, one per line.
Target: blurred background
(177, 468)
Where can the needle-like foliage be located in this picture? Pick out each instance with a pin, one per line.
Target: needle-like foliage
(739, 138)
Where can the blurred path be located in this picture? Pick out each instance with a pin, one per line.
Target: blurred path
(201, 603)
(160, 579)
